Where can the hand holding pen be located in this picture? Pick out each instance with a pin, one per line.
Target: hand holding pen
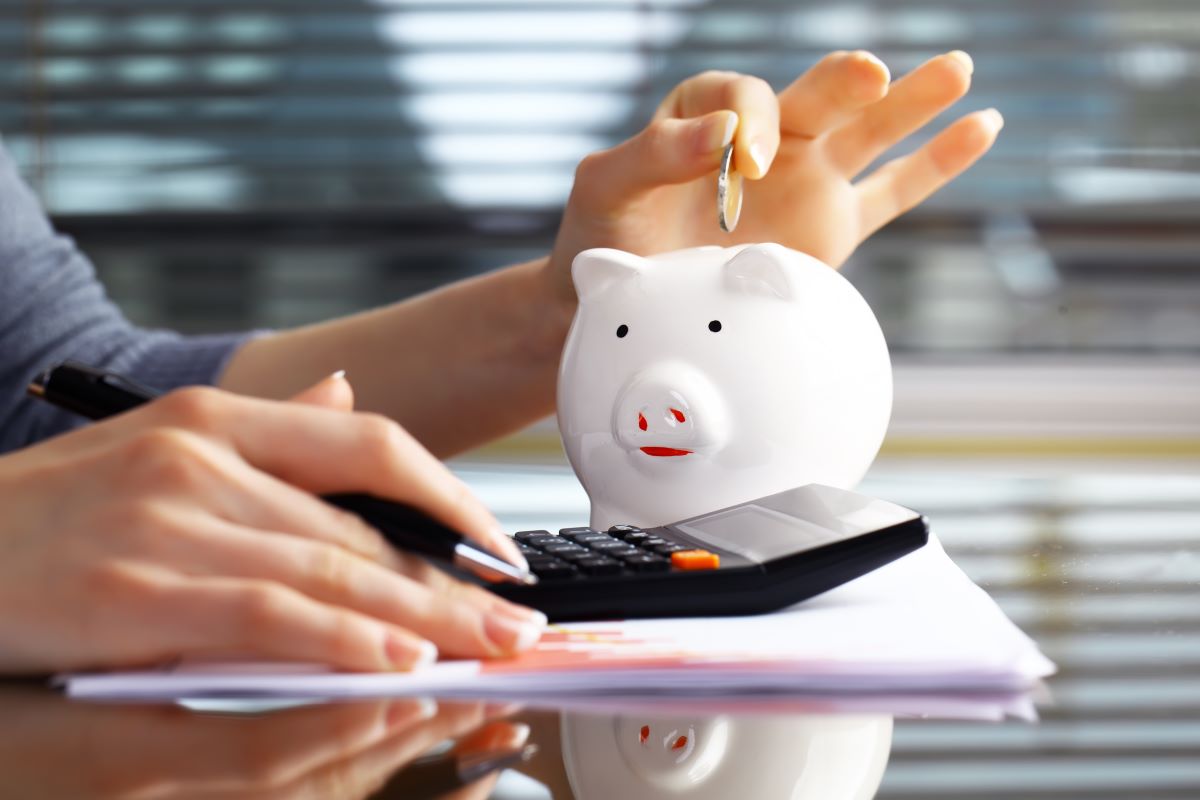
(99, 394)
(191, 526)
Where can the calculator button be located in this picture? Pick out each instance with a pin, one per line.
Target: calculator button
(584, 538)
(588, 538)
(635, 537)
(621, 530)
(562, 548)
(571, 533)
(554, 571)
(607, 544)
(653, 541)
(599, 565)
(667, 549)
(543, 560)
(526, 550)
(647, 563)
(575, 556)
(695, 560)
(525, 536)
(623, 552)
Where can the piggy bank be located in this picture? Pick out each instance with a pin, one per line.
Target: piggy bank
(699, 379)
(783, 757)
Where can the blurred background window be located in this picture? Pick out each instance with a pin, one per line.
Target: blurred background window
(273, 162)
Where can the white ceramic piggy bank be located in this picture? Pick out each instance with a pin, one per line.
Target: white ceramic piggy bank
(779, 757)
(707, 377)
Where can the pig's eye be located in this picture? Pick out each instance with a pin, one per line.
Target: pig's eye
(715, 325)
(622, 330)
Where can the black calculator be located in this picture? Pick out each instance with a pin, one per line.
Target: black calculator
(746, 559)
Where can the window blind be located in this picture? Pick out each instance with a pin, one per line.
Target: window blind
(437, 138)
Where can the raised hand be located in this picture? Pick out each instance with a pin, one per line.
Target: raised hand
(802, 150)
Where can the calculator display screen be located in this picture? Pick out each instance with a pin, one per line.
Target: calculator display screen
(792, 522)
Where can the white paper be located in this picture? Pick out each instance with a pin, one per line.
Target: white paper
(916, 625)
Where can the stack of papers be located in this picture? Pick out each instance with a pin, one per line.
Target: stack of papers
(916, 625)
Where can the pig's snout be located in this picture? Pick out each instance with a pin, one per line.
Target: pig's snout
(670, 410)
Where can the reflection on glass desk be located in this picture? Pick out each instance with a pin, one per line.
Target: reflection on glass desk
(1101, 569)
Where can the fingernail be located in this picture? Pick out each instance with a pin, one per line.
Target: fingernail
(402, 713)
(871, 58)
(406, 653)
(522, 613)
(962, 58)
(871, 80)
(717, 133)
(510, 634)
(758, 154)
(428, 708)
(731, 123)
(340, 375)
(995, 117)
(508, 548)
(515, 735)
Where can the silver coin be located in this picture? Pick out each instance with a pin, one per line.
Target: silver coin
(729, 192)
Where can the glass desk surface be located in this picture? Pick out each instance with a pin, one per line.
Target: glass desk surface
(1101, 568)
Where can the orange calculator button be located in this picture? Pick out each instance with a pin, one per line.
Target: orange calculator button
(695, 559)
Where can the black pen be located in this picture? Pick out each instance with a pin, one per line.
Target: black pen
(96, 394)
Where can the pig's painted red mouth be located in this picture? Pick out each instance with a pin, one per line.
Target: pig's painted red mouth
(665, 451)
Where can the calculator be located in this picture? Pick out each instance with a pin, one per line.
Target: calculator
(749, 558)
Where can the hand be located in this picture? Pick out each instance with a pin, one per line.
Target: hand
(801, 151)
(190, 527)
(338, 751)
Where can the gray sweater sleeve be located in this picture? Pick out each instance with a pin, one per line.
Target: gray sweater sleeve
(52, 307)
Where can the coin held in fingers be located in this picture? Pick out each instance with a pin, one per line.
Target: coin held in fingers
(729, 192)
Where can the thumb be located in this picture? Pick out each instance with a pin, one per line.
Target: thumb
(667, 151)
(333, 392)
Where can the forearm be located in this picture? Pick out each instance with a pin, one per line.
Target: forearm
(52, 308)
(457, 366)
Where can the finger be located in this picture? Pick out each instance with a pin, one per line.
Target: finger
(214, 481)
(830, 93)
(359, 775)
(294, 745)
(325, 451)
(239, 498)
(263, 752)
(667, 151)
(751, 98)
(188, 616)
(913, 101)
(905, 182)
(333, 392)
(497, 735)
(460, 619)
(208, 481)
(452, 721)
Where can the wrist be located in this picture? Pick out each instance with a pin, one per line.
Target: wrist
(553, 302)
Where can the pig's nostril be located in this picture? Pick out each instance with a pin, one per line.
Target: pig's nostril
(642, 422)
(679, 417)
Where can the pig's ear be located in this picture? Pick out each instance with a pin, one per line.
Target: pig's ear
(596, 269)
(760, 269)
